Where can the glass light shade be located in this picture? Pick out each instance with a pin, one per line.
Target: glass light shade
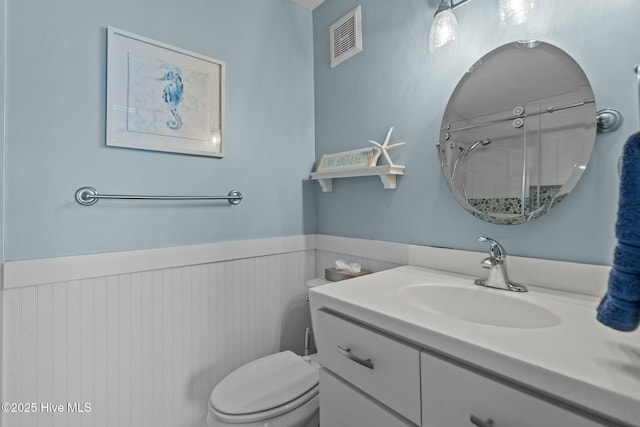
(443, 29)
(515, 12)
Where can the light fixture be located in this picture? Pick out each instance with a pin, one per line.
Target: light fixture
(515, 12)
(444, 25)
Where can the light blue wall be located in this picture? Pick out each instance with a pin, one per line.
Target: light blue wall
(55, 129)
(396, 81)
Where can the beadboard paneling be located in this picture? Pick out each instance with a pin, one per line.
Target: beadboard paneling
(147, 348)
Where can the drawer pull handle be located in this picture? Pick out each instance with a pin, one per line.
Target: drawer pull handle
(346, 352)
(478, 422)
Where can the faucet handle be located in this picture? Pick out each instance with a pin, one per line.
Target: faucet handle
(495, 250)
(488, 263)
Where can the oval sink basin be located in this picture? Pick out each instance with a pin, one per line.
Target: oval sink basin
(479, 305)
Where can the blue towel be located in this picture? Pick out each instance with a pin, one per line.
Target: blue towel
(620, 307)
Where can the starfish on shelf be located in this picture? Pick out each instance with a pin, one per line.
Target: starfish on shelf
(383, 148)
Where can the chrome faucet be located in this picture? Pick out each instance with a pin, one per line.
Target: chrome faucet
(496, 263)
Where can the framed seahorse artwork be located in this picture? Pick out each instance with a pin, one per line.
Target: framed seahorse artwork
(163, 98)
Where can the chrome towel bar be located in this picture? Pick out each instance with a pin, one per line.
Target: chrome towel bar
(87, 196)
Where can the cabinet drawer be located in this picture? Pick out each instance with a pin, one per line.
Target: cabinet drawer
(452, 394)
(382, 367)
(343, 406)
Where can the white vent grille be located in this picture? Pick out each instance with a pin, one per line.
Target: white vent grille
(346, 36)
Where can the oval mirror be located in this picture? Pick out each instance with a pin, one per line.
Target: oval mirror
(517, 132)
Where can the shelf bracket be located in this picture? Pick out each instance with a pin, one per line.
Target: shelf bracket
(326, 184)
(388, 181)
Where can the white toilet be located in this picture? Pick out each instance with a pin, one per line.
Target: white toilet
(279, 390)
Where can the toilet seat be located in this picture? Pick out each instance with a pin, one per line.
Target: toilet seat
(265, 388)
(266, 415)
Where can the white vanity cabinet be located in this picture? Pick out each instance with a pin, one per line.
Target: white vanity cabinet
(434, 350)
(342, 405)
(370, 379)
(382, 367)
(452, 394)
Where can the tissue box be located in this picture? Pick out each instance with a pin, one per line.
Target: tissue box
(337, 275)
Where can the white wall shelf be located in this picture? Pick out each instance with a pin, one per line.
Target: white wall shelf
(387, 174)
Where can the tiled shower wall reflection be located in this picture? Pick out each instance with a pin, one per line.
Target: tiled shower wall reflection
(146, 349)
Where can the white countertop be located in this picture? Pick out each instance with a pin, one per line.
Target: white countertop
(579, 361)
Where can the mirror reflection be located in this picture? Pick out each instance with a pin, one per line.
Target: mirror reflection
(517, 132)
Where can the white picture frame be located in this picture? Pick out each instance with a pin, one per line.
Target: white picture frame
(163, 98)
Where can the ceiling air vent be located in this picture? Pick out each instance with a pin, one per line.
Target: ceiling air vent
(346, 36)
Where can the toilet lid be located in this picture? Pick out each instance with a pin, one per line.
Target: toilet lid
(264, 384)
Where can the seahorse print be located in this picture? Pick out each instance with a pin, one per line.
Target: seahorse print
(172, 96)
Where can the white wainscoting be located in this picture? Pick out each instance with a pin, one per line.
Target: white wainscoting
(146, 348)
(49, 270)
